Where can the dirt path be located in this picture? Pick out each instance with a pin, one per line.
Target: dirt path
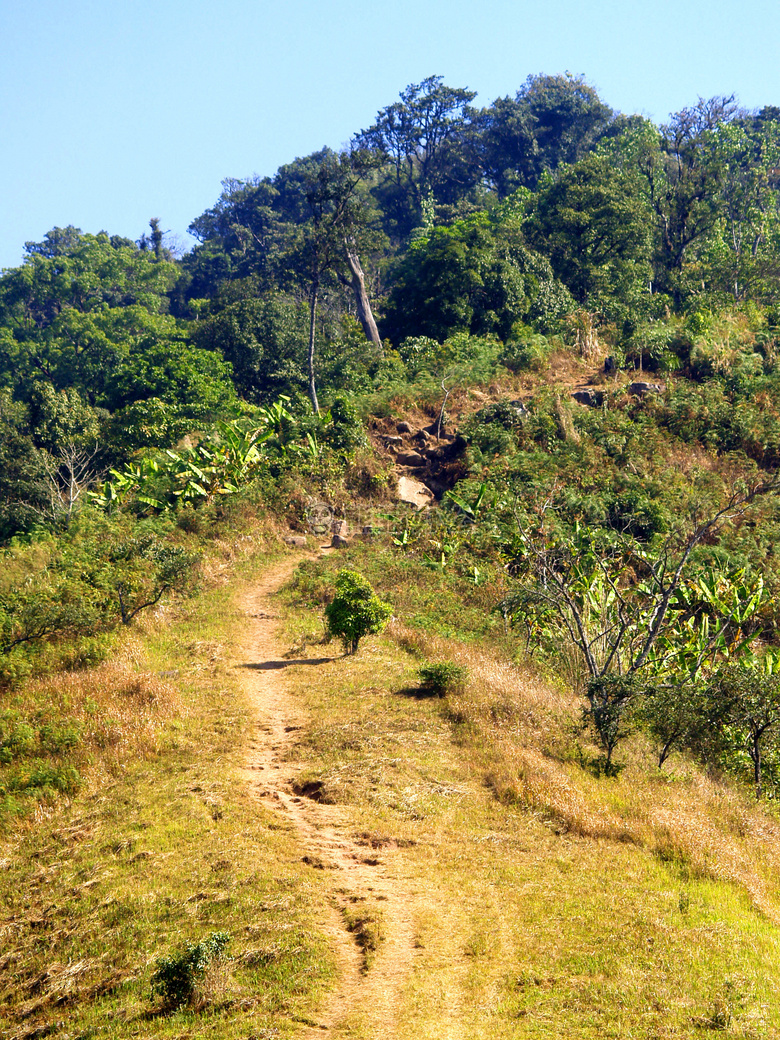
(366, 884)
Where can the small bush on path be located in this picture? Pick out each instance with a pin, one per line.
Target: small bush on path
(356, 610)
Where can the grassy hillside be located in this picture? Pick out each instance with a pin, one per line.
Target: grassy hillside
(514, 892)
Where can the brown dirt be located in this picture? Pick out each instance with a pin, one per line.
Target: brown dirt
(368, 993)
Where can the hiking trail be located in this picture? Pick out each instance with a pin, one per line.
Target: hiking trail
(367, 994)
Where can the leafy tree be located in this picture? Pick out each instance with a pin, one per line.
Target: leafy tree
(743, 705)
(631, 613)
(683, 186)
(242, 235)
(476, 275)
(419, 136)
(323, 195)
(85, 317)
(505, 146)
(741, 256)
(264, 340)
(595, 229)
(23, 473)
(83, 332)
(83, 272)
(567, 117)
(355, 611)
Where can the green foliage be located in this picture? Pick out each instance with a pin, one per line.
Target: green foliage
(476, 276)
(21, 737)
(343, 429)
(355, 611)
(525, 350)
(493, 431)
(176, 977)
(101, 572)
(441, 678)
(609, 699)
(41, 779)
(23, 472)
(594, 226)
(224, 460)
(264, 340)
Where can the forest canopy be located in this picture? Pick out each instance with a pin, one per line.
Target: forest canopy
(544, 214)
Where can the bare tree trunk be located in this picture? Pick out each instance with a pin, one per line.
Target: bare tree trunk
(365, 314)
(312, 326)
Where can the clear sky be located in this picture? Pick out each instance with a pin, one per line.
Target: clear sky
(115, 112)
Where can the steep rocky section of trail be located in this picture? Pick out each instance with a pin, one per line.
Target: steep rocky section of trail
(370, 923)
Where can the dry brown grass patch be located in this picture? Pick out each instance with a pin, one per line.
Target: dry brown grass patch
(524, 735)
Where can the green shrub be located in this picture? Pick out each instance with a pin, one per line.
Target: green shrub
(528, 352)
(177, 976)
(356, 610)
(443, 677)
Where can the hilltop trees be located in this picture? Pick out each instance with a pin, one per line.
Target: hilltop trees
(593, 225)
(423, 137)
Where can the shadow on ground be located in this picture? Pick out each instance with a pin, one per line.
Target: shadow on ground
(417, 693)
(268, 666)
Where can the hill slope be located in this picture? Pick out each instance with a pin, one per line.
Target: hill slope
(400, 865)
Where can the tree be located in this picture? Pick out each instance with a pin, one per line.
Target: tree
(567, 118)
(506, 150)
(626, 611)
(476, 275)
(682, 182)
(323, 196)
(23, 474)
(418, 136)
(744, 703)
(355, 611)
(740, 256)
(242, 235)
(264, 340)
(595, 229)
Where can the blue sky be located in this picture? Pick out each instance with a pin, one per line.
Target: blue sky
(117, 112)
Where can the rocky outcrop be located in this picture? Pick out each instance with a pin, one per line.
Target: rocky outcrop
(410, 458)
(414, 492)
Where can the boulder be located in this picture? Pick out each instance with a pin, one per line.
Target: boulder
(414, 492)
(448, 449)
(433, 428)
(592, 398)
(410, 458)
(340, 528)
(298, 541)
(403, 427)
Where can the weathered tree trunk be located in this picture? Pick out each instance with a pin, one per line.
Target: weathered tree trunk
(365, 314)
(312, 326)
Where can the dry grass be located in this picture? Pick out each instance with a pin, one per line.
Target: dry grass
(521, 730)
(546, 901)
(161, 845)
